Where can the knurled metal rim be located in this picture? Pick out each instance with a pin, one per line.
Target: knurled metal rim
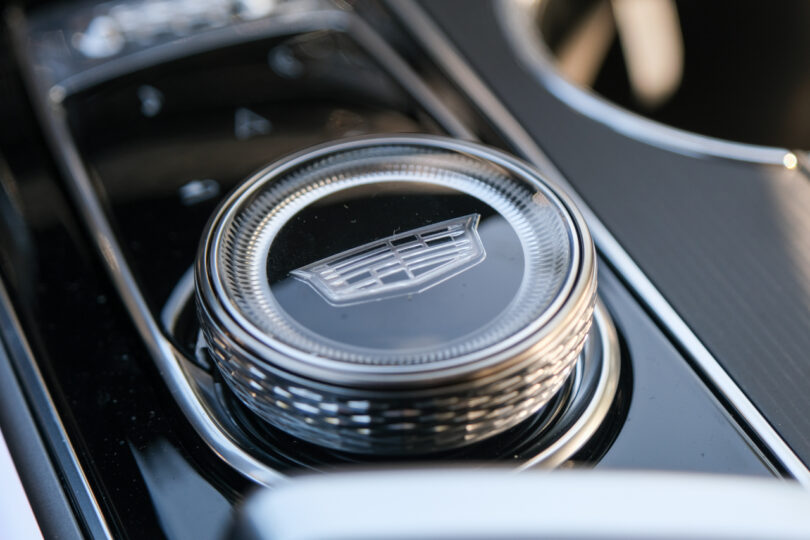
(246, 233)
(416, 411)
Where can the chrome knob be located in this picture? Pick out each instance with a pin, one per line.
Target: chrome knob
(396, 295)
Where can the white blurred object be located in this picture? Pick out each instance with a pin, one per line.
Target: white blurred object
(650, 36)
(582, 53)
(16, 517)
(490, 503)
(102, 38)
(143, 22)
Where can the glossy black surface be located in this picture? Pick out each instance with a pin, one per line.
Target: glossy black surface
(150, 473)
(672, 423)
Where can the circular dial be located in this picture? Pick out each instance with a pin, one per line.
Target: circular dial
(396, 294)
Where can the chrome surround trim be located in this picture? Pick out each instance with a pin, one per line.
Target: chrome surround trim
(66, 458)
(99, 69)
(444, 53)
(515, 17)
(177, 372)
(582, 414)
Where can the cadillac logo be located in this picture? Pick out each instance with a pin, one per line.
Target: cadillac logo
(406, 263)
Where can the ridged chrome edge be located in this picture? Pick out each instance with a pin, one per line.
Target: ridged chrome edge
(587, 422)
(444, 53)
(516, 19)
(313, 397)
(565, 310)
(582, 415)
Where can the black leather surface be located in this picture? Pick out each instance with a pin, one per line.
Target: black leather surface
(726, 242)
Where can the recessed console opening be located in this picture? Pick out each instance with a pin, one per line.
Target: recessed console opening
(737, 73)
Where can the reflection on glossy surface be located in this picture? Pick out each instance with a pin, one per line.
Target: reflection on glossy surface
(171, 481)
(77, 36)
(165, 173)
(101, 378)
(650, 36)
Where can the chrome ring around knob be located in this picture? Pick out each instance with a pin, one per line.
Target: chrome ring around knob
(396, 294)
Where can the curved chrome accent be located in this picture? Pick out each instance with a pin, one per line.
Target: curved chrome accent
(588, 407)
(516, 18)
(195, 391)
(447, 57)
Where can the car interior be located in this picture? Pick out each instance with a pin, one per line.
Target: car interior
(365, 269)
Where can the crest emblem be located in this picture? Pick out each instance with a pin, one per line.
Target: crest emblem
(405, 263)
